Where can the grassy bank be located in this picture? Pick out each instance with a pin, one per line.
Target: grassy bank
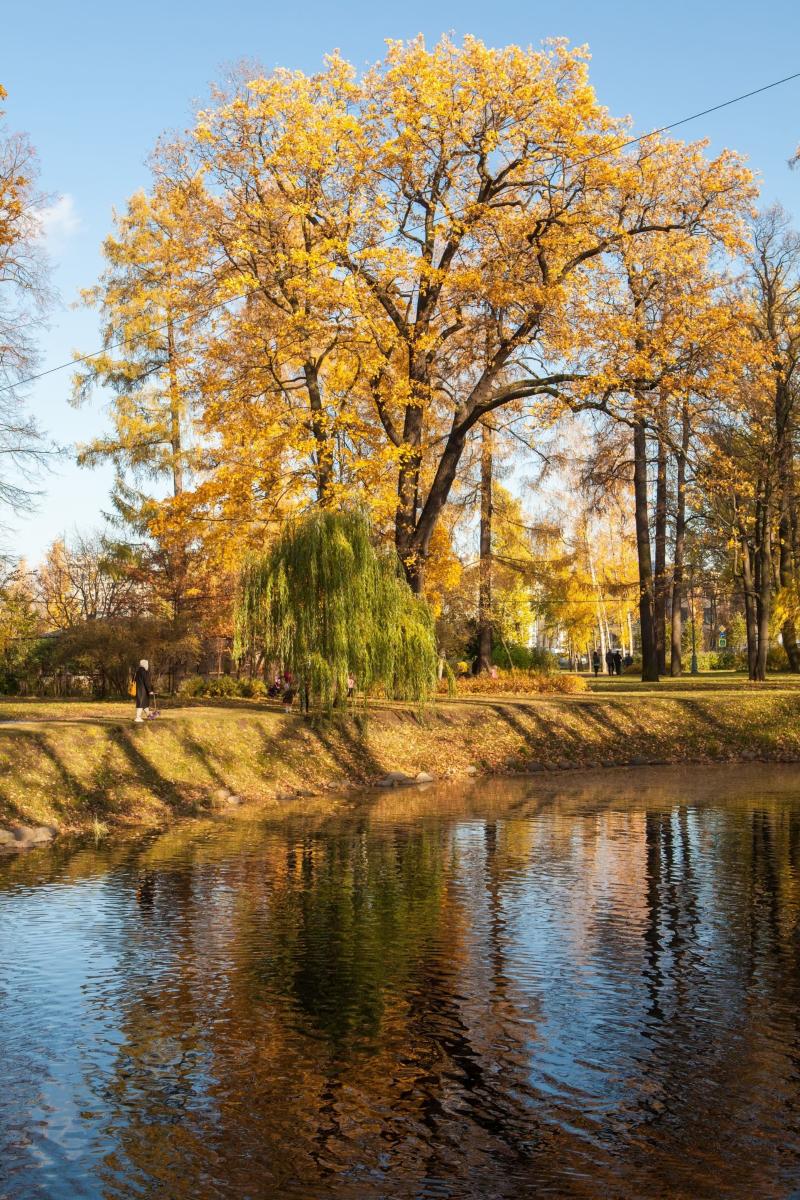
(82, 766)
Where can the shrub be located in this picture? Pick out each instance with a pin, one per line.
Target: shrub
(541, 660)
(223, 687)
(253, 689)
(105, 652)
(716, 660)
(776, 659)
(523, 658)
(193, 686)
(518, 683)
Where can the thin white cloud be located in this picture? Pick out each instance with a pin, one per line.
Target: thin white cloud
(58, 222)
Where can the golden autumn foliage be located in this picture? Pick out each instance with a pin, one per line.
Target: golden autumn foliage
(361, 268)
(518, 683)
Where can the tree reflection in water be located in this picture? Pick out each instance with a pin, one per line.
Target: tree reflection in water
(563, 989)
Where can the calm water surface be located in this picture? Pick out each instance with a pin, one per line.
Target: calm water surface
(571, 987)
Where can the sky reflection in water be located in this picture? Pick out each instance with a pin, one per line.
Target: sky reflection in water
(569, 987)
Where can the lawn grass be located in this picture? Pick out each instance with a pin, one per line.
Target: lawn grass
(709, 681)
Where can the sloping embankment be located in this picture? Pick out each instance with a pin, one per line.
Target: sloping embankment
(82, 774)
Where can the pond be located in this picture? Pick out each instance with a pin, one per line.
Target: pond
(559, 986)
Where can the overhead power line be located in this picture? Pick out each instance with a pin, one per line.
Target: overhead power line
(83, 358)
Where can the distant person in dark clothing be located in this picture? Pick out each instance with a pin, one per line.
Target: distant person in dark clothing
(618, 661)
(596, 661)
(610, 660)
(144, 691)
(289, 690)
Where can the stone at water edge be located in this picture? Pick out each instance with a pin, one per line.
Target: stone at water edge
(472, 770)
(25, 837)
(396, 779)
(423, 777)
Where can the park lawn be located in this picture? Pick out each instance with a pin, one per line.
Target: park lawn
(26, 709)
(709, 681)
(82, 766)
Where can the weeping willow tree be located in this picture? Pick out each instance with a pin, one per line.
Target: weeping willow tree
(325, 602)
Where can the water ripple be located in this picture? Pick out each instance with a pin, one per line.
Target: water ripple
(566, 989)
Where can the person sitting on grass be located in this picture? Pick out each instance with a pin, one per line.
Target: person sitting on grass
(144, 691)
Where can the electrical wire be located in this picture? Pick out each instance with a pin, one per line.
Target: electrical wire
(83, 358)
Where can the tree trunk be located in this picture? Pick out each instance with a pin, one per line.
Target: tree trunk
(676, 664)
(786, 558)
(646, 586)
(785, 567)
(748, 586)
(602, 625)
(485, 585)
(176, 440)
(763, 585)
(324, 457)
(412, 535)
(412, 553)
(177, 560)
(660, 601)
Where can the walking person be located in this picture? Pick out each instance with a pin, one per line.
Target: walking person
(596, 662)
(618, 661)
(610, 660)
(144, 691)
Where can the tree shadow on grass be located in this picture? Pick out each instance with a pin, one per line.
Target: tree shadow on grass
(94, 795)
(336, 737)
(70, 791)
(551, 728)
(143, 769)
(546, 732)
(605, 719)
(346, 748)
(200, 754)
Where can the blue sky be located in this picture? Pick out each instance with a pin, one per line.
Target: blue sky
(94, 84)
